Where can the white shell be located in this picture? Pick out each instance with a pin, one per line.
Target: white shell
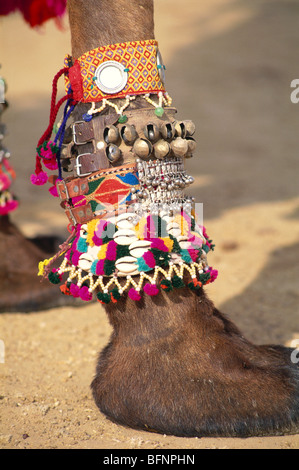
(127, 265)
(174, 229)
(83, 231)
(125, 237)
(185, 245)
(85, 261)
(138, 248)
(184, 242)
(125, 221)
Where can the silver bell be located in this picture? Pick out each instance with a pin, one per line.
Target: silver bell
(152, 132)
(161, 149)
(142, 148)
(111, 134)
(128, 134)
(179, 147)
(113, 153)
(167, 130)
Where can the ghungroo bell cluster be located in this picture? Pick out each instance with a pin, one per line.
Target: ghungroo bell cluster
(155, 142)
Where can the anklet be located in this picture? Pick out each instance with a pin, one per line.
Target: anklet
(134, 229)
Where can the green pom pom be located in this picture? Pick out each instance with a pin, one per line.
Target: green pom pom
(166, 285)
(177, 282)
(176, 247)
(204, 277)
(109, 267)
(161, 257)
(54, 278)
(122, 250)
(194, 287)
(115, 293)
(104, 298)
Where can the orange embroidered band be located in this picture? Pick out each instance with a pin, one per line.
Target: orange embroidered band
(116, 71)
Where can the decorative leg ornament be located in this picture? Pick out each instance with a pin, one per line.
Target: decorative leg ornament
(134, 228)
(174, 363)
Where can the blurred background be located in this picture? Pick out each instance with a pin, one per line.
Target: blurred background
(229, 68)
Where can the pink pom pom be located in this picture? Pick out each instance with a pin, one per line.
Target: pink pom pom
(213, 273)
(134, 294)
(193, 253)
(85, 294)
(111, 250)
(149, 259)
(51, 164)
(151, 289)
(75, 257)
(53, 191)
(74, 290)
(39, 179)
(100, 267)
(9, 207)
(159, 245)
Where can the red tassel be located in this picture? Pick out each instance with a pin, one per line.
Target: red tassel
(54, 107)
(48, 132)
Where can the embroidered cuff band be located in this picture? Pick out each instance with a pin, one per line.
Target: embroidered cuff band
(116, 71)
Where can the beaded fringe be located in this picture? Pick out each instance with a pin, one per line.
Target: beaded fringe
(84, 286)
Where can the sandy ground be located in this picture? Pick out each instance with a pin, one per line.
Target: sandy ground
(229, 68)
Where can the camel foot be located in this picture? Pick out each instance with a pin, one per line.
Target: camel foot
(182, 368)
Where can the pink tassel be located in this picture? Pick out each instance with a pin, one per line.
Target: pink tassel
(134, 294)
(149, 259)
(39, 179)
(53, 191)
(100, 267)
(151, 289)
(111, 250)
(159, 245)
(193, 253)
(9, 207)
(213, 273)
(74, 290)
(85, 294)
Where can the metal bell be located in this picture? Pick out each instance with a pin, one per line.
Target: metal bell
(128, 134)
(113, 153)
(167, 130)
(111, 134)
(142, 148)
(190, 128)
(179, 147)
(191, 146)
(152, 132)
(180, 129)
(161, 149)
